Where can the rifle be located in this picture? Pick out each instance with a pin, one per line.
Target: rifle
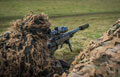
(60, 36)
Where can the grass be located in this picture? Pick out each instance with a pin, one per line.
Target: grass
(100, 14)
(14, 9)
(99, 24)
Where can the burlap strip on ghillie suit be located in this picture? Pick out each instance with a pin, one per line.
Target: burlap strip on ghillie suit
(101, 58)
(24, 51)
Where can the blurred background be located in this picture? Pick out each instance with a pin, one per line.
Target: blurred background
(100, 14)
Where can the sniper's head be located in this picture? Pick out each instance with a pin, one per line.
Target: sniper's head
(35, 24)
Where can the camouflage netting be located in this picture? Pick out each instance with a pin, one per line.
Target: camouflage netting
(101, 58)
(24, 51)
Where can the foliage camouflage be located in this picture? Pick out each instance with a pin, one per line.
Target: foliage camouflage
(24, 51)
(101, 58)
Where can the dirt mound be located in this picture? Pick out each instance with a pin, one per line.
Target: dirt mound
(24, 51)
(101, 58)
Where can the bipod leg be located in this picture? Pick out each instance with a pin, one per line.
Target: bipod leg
(70, 46)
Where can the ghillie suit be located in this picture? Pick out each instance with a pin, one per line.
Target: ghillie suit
(101, 58)
(24, 51)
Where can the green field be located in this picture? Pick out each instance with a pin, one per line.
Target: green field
(100, 14)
